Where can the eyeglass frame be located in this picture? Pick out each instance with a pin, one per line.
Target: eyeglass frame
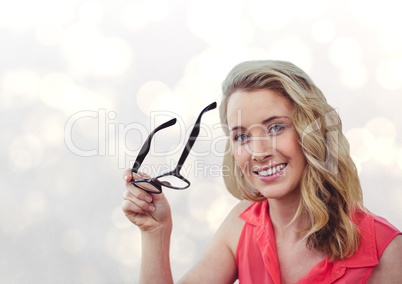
(176, 171)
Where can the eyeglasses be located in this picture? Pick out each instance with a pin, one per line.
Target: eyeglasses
(172, 179)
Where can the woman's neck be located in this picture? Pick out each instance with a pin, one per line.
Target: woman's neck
(282, 213)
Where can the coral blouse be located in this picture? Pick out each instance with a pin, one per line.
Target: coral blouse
(257, 259)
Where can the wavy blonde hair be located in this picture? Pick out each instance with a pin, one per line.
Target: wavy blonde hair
(330, 187)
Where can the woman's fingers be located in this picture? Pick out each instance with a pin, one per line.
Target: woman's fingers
(145, 210)
(136, 203)
(138, 192)
(145, 186)
(138, 200)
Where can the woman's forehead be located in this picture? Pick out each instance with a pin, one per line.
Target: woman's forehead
(256, 106)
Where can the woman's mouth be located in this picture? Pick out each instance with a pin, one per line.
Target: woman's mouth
(270, 171)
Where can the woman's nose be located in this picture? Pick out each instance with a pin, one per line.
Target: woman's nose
(262, 148)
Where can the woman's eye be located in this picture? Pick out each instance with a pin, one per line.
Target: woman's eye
(275, 129)
(241, 137)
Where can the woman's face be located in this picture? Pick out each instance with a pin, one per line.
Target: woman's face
(265, 143)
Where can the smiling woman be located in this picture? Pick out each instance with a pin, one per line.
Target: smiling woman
(303, 218)
(265, 141)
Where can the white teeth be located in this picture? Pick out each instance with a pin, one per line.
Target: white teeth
(272, 170)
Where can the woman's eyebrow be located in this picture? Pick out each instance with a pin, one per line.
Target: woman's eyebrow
(265, 121)
(236, 128)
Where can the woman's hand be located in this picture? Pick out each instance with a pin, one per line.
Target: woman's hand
(149, 212)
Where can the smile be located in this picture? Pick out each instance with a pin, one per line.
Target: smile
(271, 170)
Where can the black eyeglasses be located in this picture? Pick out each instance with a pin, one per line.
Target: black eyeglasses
(172, 179)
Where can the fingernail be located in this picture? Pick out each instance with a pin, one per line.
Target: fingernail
(148, 198)
(151, 208)
(125, 178)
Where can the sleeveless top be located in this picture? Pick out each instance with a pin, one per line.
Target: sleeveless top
(257, 259)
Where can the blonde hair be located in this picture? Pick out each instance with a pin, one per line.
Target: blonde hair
(330, 187)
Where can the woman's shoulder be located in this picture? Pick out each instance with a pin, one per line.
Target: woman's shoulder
(388, 270)
(380, 228)
(382, 225)
(232, 226)
(241, 206)
(386, 242)
(236, 212)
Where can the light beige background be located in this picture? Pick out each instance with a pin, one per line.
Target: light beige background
(82, 83)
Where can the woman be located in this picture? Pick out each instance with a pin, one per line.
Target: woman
(302, 219)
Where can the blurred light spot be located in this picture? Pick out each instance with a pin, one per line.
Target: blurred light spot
(59, 91)
(21, 160)
(205, 71)
(395, 199)
(382, 129)
(90, 13)
(383, 17)
(89, 53)
(124, 246)
(51, 129)
(49, 33)
(25, 152)
(198, 201)
(60, 179)
(389, 74)
(385, 154)
(21, 93)
(264, 14)
(7, 100)
(344, 52)
(119, 220)
(35, 206)
(73, 241)
(366, 12)
(358, 164)
(139, 13)
(391, 40)
(384, 133)
(203, 76)
(21, 16)
(54, 88)
(361, 141)
(217, 211)
(323, 31)
(234, 31)
(208, 202)
(354, 77)
(399, 158)
(294, 50)
(156, 96)
(18, 16)
(9, 221)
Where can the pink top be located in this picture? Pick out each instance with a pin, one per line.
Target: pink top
(257, 259)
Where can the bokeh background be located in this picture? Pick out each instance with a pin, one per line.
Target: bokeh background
(83, 82)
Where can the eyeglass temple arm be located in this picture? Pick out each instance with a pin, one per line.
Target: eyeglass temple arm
(147, 144)
(193, 137)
